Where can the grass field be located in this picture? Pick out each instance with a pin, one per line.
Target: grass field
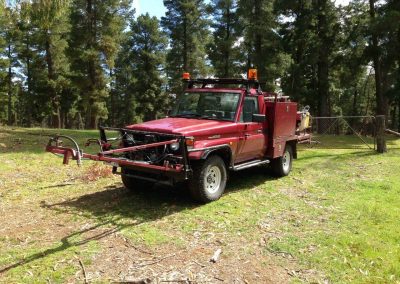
(335, 219)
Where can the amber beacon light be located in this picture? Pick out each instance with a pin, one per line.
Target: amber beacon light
(252, 74)
(186, 76)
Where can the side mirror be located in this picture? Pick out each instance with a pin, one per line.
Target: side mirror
(259, 117)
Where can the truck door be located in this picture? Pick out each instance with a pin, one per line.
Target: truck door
(252, 137)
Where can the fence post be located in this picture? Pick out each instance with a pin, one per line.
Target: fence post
(380, 134)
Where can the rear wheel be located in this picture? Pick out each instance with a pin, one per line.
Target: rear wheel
(132, 183)
(282, 166)
(209, 179)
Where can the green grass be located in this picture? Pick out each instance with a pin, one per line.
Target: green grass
(336, 215)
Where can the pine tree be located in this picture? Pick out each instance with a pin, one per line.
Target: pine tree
(310, 37)
(3, 62)
(224, 51)
(147, 55)
(352, 62)
(387, 27)
(261, 42)
(97, 28)
(187, 28)
(297, 32)
(8, 61)
(27, 40)
(122, 102)
(327, 30)
(50, 18)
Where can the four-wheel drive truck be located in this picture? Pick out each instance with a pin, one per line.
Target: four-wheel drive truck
(217, 126)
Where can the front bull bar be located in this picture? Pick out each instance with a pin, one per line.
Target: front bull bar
(68, 153)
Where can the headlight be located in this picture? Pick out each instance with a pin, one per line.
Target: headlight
(174, 146)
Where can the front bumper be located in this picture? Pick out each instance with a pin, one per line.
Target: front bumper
(177, 171)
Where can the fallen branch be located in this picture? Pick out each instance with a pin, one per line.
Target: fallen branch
(220, 279)
(393, 132)
(201, 265)
(84, 271)
(276, 252)
(178, 281)
(155, 261)
(129, 244)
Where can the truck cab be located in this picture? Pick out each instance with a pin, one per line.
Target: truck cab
(217, 126)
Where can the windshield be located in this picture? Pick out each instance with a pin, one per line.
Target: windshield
(219, 106)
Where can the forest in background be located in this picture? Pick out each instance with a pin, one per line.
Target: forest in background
(78, 63)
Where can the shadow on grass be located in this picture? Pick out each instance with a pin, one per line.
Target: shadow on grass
(113, 209)
(249, 178)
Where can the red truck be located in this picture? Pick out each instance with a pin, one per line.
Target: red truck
(216, 126)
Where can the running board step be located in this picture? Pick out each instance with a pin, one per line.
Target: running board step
(250, 164)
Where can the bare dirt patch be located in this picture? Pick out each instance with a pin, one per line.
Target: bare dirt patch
(122, 261)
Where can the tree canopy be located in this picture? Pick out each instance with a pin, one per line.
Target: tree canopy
(79, 63)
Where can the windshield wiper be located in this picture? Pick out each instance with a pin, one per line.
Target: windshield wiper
(215, 118)
(187, 115)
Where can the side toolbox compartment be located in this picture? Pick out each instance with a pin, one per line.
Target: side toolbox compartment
(281, 126)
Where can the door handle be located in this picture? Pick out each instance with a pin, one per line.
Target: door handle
(247, 135)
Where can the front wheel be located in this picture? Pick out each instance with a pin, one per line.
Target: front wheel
(282, 166)
(209, 179)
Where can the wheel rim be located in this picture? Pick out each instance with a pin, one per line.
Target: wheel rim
(286, 161)
(212, 179)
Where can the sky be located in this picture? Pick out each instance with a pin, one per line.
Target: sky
(156, 7)
(153, 7)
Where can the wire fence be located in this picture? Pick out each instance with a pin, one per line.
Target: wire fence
(344, 132)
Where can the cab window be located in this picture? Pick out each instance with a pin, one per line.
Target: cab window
(250, 106)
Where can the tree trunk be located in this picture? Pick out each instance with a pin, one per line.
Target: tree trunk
(354, 110)
(9, 86)
(91, 113)
(394, 113)
(323, 62)
(380, 134)
(398, 117)
(380, 102)
(185, 48)
(55, 118)
(258, 36)
(227, 37)
(29, 99)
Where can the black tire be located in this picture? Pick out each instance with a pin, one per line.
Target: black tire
(209, 179)
(134, 184)
(283, 165)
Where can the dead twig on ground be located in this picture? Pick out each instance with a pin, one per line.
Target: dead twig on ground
(178, 281)
(198, 263)
(129, 244)
(83, 270)
(220, 279)
(155, 261)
